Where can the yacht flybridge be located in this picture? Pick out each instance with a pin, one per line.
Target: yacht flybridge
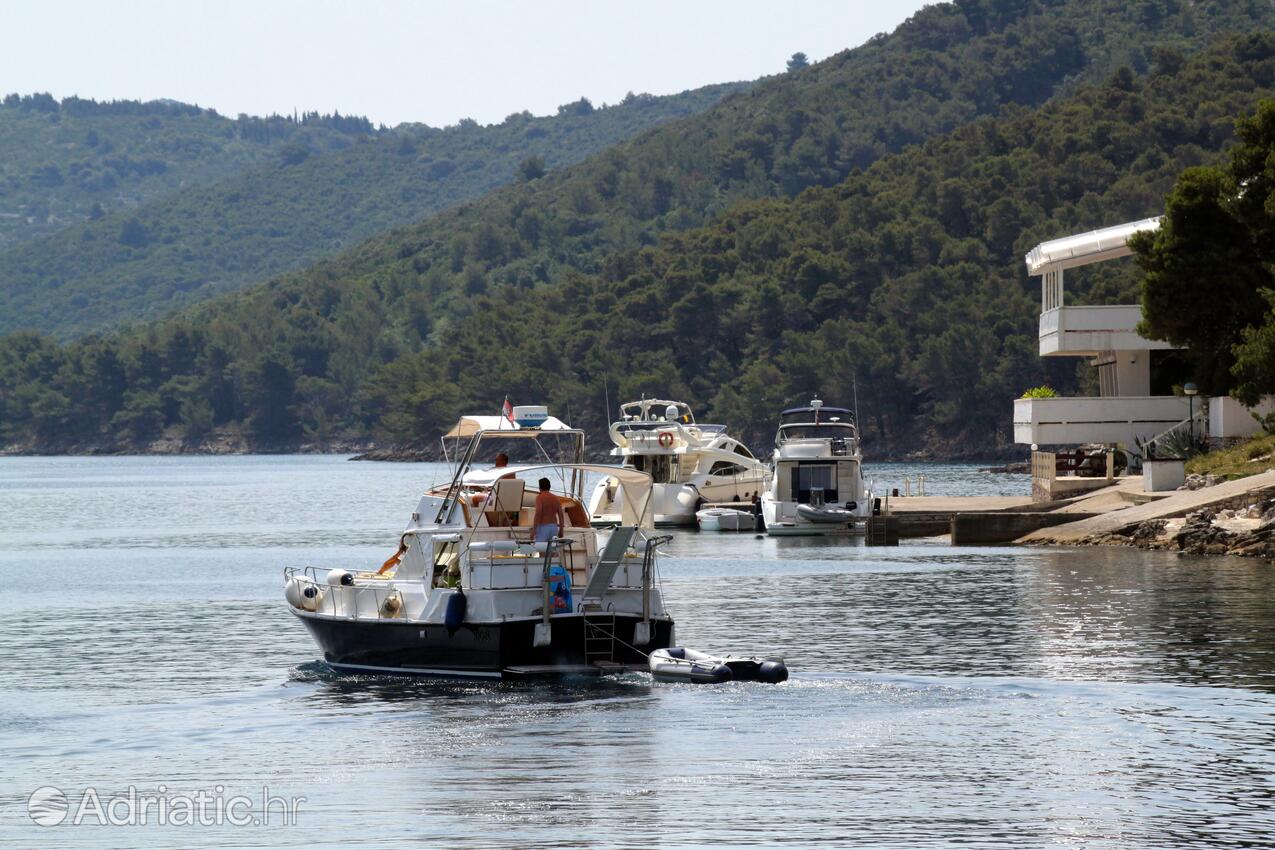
(816, 483)
(689, 463)
(469, 593)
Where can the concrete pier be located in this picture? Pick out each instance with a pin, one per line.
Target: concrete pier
(1003, 526)
(1004, 519)
(1174, 504)
(931, 516)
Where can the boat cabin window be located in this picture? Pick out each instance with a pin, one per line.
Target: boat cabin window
(741, 449)
(726, 469)
(808, 477)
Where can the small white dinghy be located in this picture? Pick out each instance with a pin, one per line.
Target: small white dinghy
(678, 664)
(718, 518)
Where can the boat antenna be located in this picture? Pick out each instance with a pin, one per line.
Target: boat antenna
(854, 378)
(606, 395)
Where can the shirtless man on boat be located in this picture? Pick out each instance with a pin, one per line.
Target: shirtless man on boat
(549, 520)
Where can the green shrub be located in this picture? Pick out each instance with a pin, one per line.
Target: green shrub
(1040, 392)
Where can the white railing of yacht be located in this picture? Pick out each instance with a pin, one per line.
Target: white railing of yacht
(333, 598)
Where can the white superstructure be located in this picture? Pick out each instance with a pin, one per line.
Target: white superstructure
(689, 463)
(816, 482)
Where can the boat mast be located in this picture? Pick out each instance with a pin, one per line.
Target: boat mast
(854, 377)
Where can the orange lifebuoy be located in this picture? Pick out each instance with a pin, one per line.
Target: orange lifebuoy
(666, 438)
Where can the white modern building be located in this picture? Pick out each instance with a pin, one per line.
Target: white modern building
(1107, 336)
(1125, 409)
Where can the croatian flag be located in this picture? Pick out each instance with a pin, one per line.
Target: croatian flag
(508, 410)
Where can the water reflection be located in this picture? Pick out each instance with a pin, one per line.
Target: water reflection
(987, 696)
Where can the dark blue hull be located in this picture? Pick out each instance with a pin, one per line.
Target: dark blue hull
(485, 650)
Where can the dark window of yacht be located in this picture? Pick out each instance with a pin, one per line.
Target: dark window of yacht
(663, 468)
(726, 469)
(741, 449)
(815, 432)
(809, 477)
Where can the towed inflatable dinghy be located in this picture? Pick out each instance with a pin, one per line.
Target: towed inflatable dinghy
(679, 664)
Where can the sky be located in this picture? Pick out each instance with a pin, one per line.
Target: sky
(428, 61)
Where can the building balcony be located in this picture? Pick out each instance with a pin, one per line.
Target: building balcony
(1113, 419)
(1088, 331)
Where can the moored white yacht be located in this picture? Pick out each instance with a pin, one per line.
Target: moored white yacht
(689, 463)
(816, 482)
(468, 593)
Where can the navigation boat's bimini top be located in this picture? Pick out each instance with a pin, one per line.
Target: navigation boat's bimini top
(469, 592)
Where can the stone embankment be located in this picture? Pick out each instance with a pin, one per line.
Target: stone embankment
(1249, 532)
(1229, 518)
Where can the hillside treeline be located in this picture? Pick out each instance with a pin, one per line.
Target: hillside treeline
(308, 200)
(74, 160)
(906, 280)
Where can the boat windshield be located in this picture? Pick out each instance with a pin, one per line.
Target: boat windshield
(825, 431)
(809, 414)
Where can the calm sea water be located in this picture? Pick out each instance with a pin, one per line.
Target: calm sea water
(940, 696)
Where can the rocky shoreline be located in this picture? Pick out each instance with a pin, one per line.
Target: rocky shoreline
(1247, 531)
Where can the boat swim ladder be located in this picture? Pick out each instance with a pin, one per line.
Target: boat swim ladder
(543, 635)
(599, 638)
(642, 631)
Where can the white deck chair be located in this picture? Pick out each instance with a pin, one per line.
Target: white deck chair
(508, 502)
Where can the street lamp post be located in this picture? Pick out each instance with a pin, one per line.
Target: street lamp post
(1190, 390)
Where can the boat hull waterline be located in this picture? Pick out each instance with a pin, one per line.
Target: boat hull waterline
(500, 649)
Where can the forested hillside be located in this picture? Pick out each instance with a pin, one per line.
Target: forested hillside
(538, 291)
(908, 277)
(76, 160)
(309, 200)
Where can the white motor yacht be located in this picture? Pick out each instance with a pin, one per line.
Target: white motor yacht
(690, 464)
(469, 593)
(816, 482)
